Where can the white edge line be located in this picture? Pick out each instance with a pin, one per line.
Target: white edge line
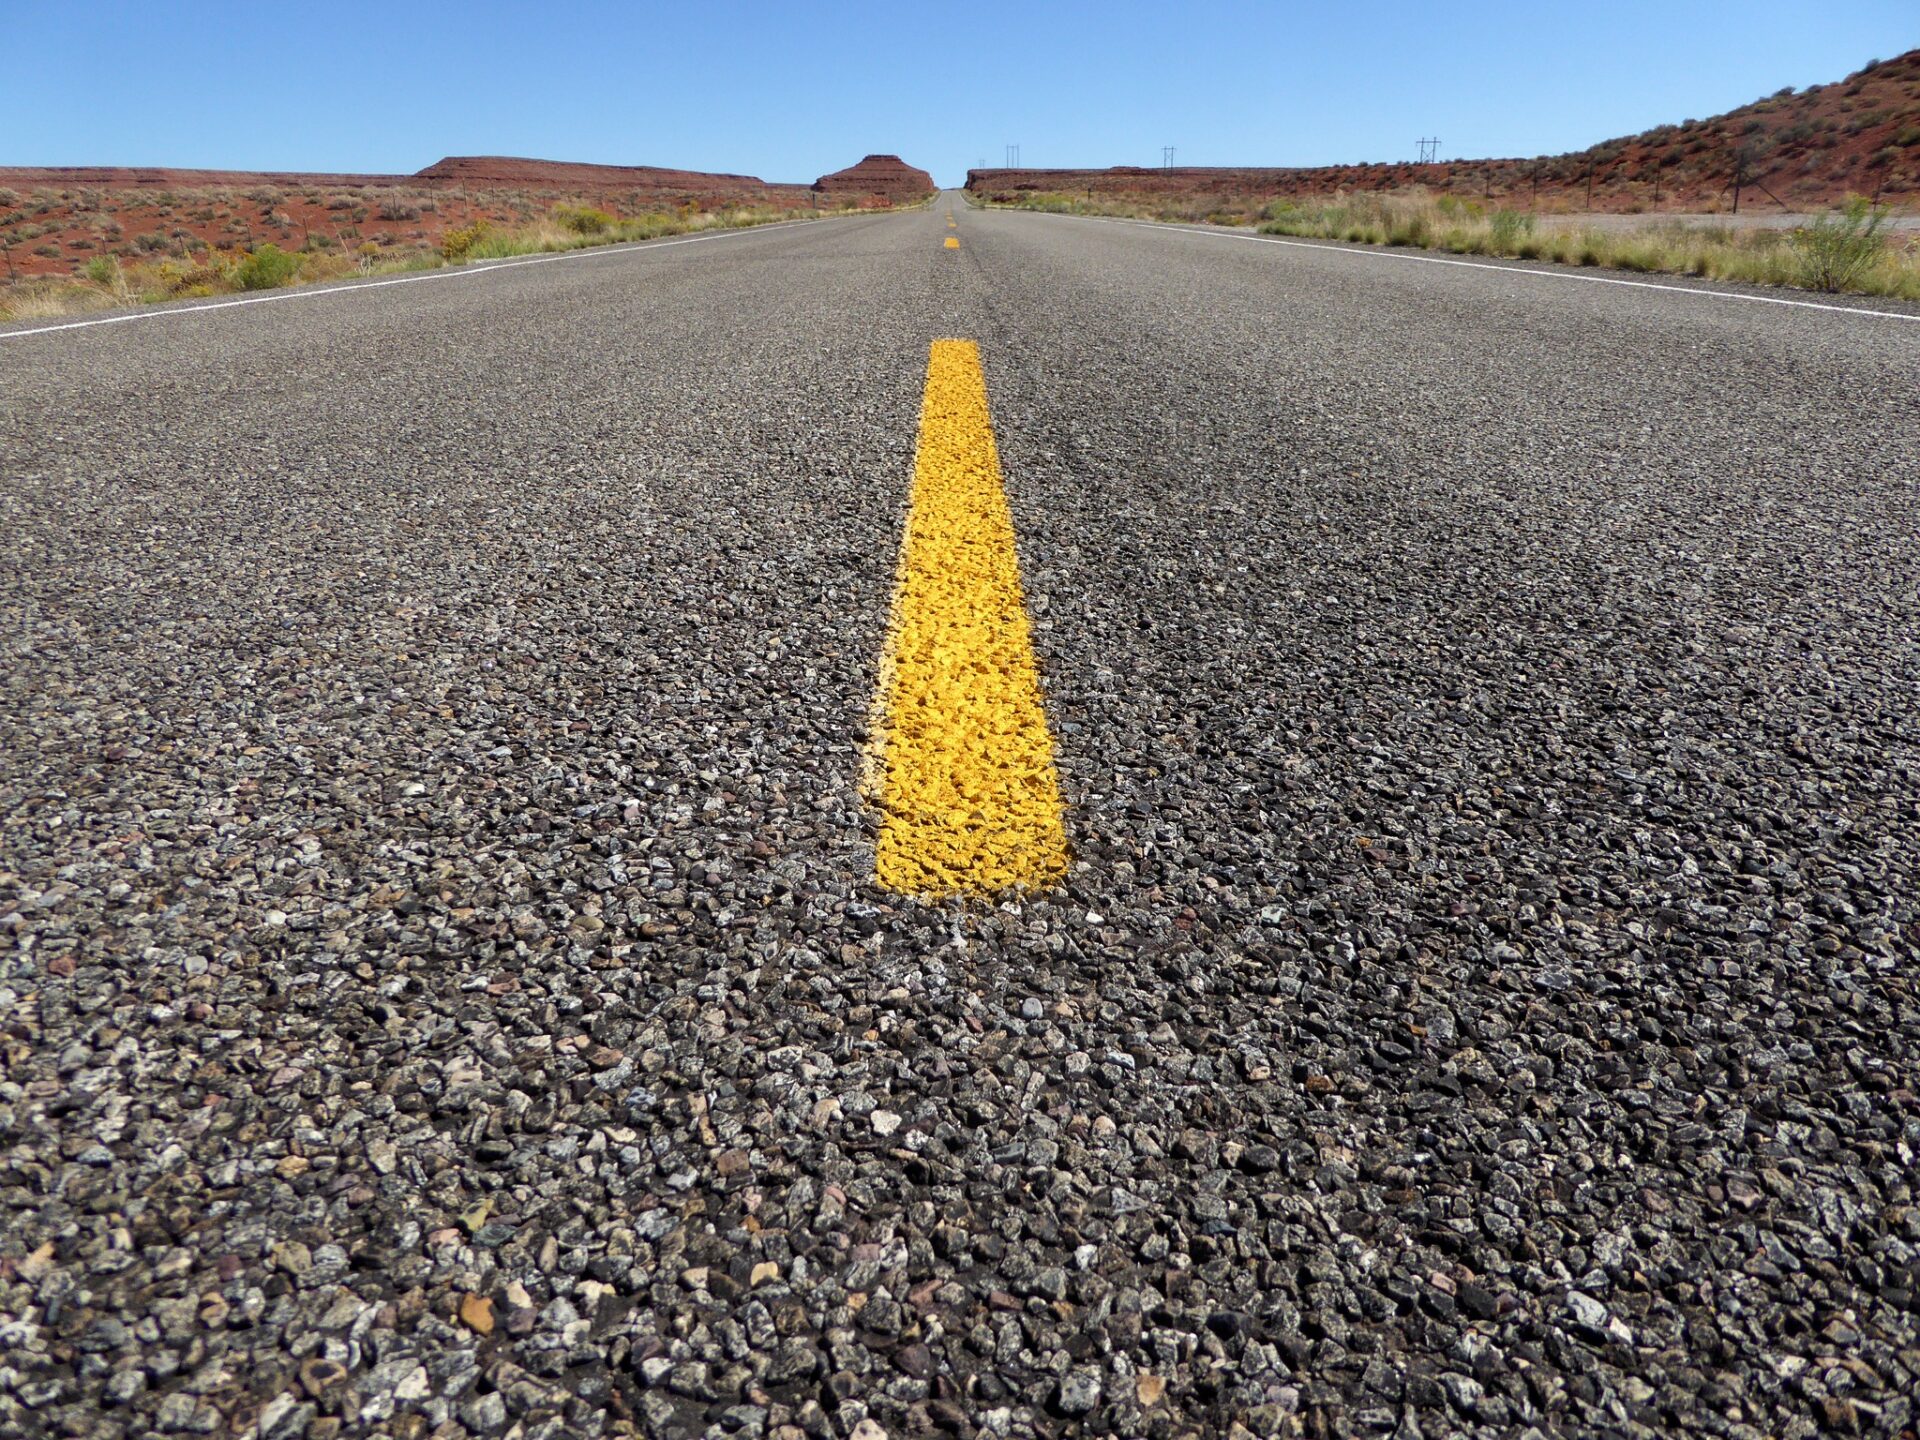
(1374, 254)
(482, 267)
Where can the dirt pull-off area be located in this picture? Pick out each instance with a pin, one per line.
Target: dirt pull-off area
(1789, 151)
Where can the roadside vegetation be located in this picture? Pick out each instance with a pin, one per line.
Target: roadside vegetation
(109, 282)
(1849, 249)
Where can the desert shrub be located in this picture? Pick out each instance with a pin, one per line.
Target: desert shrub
(151, 241)
(267, 268)
(340, 202)
(398, 210)
(102, 270)
(8, 198)
(1636, 255)
(1507, 227)
(321, 267)
(191, 280)
(1907, 135)
(458, 244)
(647, 227)
(1840, 247)
(1411, 229)
(46, 252)
(584, 219)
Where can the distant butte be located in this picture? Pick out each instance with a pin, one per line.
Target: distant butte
(885, 178)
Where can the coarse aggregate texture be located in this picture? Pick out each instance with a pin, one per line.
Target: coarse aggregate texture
(444, 992)
(969, 800)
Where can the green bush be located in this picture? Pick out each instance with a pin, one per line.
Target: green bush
(267, 268)
(457, 244)
(1840, 247)
(584, 219)
(1506, 229)
(1411, 229)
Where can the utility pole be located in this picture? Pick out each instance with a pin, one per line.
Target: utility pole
(1590, 187)
(1013, 157)
(1429, 149)
(1166, 157)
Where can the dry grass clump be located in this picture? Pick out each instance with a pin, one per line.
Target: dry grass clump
(1845, 250)
(575, 228)
(109, 282)
(1848, 249)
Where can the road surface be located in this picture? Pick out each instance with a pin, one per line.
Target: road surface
(446, 990)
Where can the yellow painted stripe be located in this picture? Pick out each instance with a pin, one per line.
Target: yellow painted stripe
(968, 794)
(953, 242)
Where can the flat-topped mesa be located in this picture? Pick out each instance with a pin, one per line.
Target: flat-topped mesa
(876, 180)
(642, 184)
(638, 183)
(515, 170)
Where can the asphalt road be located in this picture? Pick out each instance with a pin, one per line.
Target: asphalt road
(444, 989)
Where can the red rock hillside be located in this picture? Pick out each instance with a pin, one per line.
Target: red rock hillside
(878, 179)
(1794, 151)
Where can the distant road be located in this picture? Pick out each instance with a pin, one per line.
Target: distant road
(443, 985)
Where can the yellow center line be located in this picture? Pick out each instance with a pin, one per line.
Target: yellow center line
(953, 242)
(960, 755)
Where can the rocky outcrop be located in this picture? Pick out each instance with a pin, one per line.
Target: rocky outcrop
(876, 180)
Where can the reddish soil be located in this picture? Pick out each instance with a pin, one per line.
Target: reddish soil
(878, 179)
(54, 219)
(1805, 151)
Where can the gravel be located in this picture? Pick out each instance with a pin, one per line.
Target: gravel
(442, 992)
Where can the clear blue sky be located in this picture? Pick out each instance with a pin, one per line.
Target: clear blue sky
(788, 91)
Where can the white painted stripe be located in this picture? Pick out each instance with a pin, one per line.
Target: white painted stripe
(479, 267)
(1370, 253)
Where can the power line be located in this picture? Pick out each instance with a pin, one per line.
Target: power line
(1429, 149)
